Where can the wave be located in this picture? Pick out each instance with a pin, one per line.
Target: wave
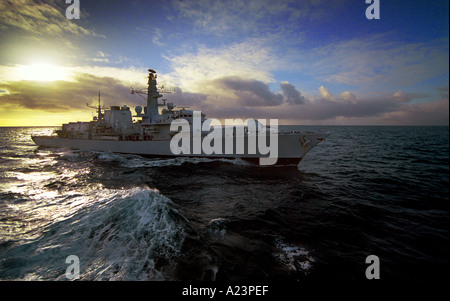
(135, 161)
(116, 234)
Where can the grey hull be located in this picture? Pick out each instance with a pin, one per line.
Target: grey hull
(291, 148)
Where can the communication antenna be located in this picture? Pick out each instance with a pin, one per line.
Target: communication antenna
(133, 91)
(99, 108)
(161, 89)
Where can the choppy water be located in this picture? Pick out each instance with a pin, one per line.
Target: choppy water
(363, 191)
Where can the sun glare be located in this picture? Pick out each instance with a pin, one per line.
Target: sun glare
(41, 72)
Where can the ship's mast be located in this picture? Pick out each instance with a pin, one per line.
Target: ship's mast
(99, 108)
(152, 96)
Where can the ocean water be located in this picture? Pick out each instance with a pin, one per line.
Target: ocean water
(363, 191)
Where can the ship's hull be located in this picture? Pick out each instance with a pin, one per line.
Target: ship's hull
(291, 147)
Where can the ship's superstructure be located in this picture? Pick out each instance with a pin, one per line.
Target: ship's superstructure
(153, 133)
(117, 123)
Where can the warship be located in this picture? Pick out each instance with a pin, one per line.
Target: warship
(155, 132)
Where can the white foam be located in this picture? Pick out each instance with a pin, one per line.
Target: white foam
(293, 257)
(117, 235)
(218, 226)
(135, 161)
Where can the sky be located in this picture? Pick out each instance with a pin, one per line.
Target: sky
(304, 62)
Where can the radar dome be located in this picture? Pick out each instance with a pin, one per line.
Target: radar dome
(138, 109)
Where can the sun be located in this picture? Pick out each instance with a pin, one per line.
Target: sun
(41, 72)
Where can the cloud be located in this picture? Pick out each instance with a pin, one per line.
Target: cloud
(234, 18)
(40, 17)
(397, 108)
(326, 94)
(248, 92)
(237, 92)
(291, 94)
(443, 91)
(101, 57)
(250, 59)
(150, 31)
(429, 113)
(128, 76)
(184, 99)
(237, 96)
(370, 62)
(234, 97)
(367, 111)
(344, 97)
(347, 96)
(230, 93)
(60, 96)
(156, 38)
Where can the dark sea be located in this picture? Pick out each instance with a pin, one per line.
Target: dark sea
(365, 190)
